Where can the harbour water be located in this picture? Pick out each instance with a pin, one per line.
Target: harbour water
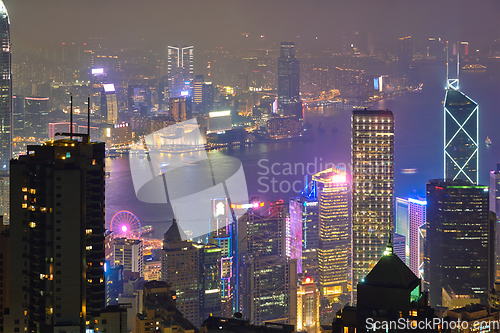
(279, 170)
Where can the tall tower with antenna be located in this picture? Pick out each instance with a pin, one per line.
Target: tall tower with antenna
(461, 131)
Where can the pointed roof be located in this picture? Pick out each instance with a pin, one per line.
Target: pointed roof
(173, 233)
(390, 271)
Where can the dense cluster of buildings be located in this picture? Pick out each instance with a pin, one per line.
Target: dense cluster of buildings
(344, 252)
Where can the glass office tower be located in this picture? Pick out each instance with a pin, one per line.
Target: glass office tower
(461, 135)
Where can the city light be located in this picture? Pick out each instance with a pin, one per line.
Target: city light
(219, 113)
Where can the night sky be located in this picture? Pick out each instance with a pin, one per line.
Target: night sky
(220, 22)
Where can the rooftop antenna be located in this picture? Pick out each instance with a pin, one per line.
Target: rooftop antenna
(458, 60)
(71, 117)
(447, 67)
(88, 117)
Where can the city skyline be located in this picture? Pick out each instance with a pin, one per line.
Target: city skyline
(268, 176)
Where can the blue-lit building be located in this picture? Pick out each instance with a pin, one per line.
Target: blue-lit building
(114, 282)
(459, 246)
(221, 233)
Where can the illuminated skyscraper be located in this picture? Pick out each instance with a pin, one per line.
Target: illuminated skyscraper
(57, 237)
(289, 102)
(308, 306)
(6, 91)
(109, 105)
(193, 269)
(459, 246)
(495, 208)
(410, 216)
(129, 254)
(461, 134)
(221, 234)
(268, 284)
(372, 188)
(180, 71)
(333, 252)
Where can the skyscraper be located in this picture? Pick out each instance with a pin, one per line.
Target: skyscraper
(289, 102)
(333, 252)
(461, 135)
(268, 284)
(308, 306)
(193, 269)
(57, 237)
(372, 188)
(109, 105)
(495, 208)
(129, 254)
(405, 58)
(410, 216)
(5, 111)
(180, 71)
(6, 91)
(459, 247)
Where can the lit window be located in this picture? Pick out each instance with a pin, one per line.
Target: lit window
(32, 224)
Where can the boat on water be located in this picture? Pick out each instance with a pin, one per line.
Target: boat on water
(320, 128)
(487, 141)
(474, 68)
(148, 229)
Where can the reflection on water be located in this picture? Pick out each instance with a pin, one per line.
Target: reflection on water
(418, 147)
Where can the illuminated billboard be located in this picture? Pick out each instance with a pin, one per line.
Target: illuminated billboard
(96, 71)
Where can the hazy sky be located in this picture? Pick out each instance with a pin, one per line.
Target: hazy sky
(220, 22)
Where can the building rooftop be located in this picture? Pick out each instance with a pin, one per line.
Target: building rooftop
(390, 271)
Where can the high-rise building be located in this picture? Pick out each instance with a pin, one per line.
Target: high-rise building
(129, 254)
(57, 236)
(221, 232)
(459, 247)
(6, 91)
(461, 135)
(372, 188)
(308, 203)
(495, 208)
(18, 115)
(203, 95)
(180, 71)
(417, 218)
(308, 306)
(401, 220)
(109, 105)
(405, 56)
(177, 108)
(114, 282)
(410, 216)
(193, 269)
(36, 111)
(289, 102)
(268, 276)
(334, 238)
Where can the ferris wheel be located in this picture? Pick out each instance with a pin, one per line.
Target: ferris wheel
(126, 224)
